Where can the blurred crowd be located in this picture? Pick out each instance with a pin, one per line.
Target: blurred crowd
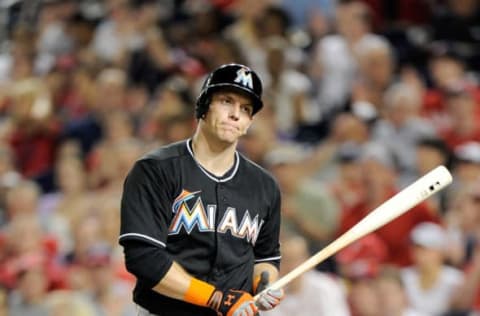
(361, 98)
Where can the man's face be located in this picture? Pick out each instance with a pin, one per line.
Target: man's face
(426, 258)
(229, 116)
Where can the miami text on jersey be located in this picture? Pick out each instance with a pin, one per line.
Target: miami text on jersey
(196, 215)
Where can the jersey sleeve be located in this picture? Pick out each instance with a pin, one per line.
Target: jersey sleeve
(267, 247)
(144, 205)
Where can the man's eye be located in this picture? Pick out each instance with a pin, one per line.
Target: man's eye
(226, 101)
(247, 109)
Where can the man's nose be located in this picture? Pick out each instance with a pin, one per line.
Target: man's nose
(235, 112)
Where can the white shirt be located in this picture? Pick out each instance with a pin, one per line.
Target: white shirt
(292, 83)
(435, 300)
(339, 66)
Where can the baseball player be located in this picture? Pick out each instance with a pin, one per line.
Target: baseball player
(199, 221)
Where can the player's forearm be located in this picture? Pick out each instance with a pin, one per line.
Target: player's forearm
(155, 268)
(175, 283)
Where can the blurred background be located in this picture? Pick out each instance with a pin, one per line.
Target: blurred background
(361, 98)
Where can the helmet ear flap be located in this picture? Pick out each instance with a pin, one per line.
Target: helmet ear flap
(203, 104)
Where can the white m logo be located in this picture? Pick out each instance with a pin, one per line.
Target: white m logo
(244, 77)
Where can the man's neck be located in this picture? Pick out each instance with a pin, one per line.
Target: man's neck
(215, 157)
(429, 276)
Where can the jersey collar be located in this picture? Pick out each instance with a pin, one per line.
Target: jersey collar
(226, 177)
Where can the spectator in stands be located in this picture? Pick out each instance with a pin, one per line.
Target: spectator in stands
(21, 199)
(465, 167)
(392, 296)
(109, 213)
(151, 59)
(429, 283)
(462, 108)
(455, 24)
(170, 101)
(376, 62)
(308, 208)
(53, 38)
(117, 162)
(116, 36)
(87, 230)
(347, 185)
(117, 128)
(245, 33)
(71, 201)
(34, 130)
(445, 70)
(18, 62)
(25, 243)
(335, 58)
(9, 177)
(362, 259)
(68, 303)
(362, 297)
(467, 298)
(291, 103)
(431, 152)
(32, 286)
(110, 295)
(401, 127)
(463, 222)
(73, 90)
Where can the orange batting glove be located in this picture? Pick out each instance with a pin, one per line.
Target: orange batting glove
(225, 303)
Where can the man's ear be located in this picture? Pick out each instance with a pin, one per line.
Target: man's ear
(245, 131)
(249, 125)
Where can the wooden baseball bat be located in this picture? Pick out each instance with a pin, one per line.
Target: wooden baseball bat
(418, 191)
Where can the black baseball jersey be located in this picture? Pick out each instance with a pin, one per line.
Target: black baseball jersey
(216, 228)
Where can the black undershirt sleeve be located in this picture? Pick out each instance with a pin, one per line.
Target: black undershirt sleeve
(145, 261)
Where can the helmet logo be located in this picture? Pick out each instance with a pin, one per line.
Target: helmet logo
(244, 77)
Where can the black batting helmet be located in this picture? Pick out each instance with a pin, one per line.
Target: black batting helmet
(234, 76)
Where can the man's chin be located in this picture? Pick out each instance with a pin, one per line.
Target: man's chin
(229, 138)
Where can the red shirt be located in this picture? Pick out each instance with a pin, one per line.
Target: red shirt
(35, 151)
(453, 139)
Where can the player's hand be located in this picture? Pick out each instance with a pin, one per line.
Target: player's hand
(232, 303)
(270, 298)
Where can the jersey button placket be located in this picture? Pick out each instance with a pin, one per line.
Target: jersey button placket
(223, 197)
(216, 272)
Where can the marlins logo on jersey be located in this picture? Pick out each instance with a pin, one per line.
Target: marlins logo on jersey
(244, 77)
(190, 213)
